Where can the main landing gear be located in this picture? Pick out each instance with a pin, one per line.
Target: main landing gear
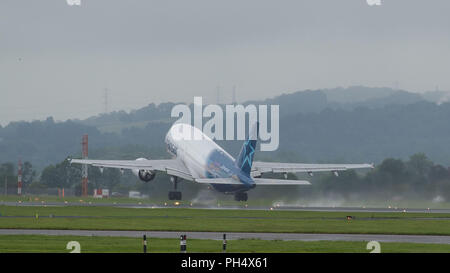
(240, 196)
(174, 195)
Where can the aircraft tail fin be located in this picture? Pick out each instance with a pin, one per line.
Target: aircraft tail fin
(245, 158)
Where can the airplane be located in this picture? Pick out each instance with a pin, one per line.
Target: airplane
(201, 160)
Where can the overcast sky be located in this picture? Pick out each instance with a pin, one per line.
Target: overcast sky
(56, 60)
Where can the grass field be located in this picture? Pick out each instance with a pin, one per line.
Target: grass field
(242, 220)
(57, 244)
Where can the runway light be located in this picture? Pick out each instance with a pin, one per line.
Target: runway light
(176, 203)
(271, 208)
(165, 204)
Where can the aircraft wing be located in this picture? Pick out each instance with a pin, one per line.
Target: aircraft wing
(170, 166)
(258, 181)
(259, 167)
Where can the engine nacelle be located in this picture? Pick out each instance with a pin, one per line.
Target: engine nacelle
(144, 175)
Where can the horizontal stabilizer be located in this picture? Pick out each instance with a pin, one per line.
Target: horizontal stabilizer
(258, 181)
(270, 181)
(218, 181)
(277, 167)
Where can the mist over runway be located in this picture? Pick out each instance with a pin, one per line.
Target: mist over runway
(232, 207)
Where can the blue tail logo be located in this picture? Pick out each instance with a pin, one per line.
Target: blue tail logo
(245, 158)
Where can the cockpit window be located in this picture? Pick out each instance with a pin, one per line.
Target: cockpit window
(171, 147)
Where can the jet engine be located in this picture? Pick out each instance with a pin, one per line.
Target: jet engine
(144, 175)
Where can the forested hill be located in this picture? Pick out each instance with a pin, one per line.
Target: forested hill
(306, 101)
(315, 126)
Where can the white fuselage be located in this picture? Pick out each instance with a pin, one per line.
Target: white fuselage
(194, 149)
(203, 157)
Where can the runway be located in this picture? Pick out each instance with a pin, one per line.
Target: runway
(199, 206)
(425, 239)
